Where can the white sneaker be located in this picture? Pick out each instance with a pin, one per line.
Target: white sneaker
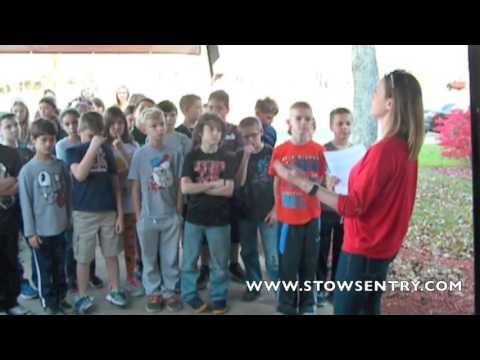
(18, 310)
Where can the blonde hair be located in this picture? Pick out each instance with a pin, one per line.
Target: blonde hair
(407, 120)
(151, 113)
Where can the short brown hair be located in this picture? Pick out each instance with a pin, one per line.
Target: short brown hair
(301, 105)
(42, 127)
(338, 111)
(187, 101)
(250, 121)
(222, 96)
(92, 121)
(266, 106)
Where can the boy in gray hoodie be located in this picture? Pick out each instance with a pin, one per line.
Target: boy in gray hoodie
(45, 190)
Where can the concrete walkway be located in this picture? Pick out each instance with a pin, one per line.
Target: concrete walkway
(264, 306)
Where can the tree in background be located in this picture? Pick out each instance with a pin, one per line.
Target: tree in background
(365, 79)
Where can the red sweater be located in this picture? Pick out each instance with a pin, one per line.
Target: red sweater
(380, 201)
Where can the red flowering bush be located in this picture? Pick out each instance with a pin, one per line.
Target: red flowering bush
(455, 134)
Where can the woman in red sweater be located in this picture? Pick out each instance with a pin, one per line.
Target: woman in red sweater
(382, 189)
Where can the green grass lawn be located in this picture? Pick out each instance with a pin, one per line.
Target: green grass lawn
(431, 156)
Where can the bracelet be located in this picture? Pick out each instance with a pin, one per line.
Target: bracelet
(314, 190)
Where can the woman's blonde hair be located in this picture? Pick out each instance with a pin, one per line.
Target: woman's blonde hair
(407, 120)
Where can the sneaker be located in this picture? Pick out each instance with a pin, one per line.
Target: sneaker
(66, 307)
(83, 304)
(204, 277)
(27, 292)
(236, 272)
(135, 288)
(18, 310)
(198, 306)
(249, 296)
(154, 304)
(219, 307)
(117, 298)
(309, 310)
(54, 311)
(174, 304)
(96, 282)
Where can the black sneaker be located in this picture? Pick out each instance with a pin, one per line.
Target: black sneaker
(66, 307)
(96, 282)
(249, 296)
(54, 311)
(236, 272)
(204, 277)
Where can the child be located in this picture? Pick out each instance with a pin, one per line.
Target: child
(97, 209)
(22, 116)
(121, 96)
(44, 186)
(298, 213)
(178, 141)
(123, 148)
(191, 107)
(331, 233)
(257, 205)
(130, 116)
(266, 109)
(10, 137)
(69, 120)
(98, 105)
(9, 228)
(155, 173)
(207, 178)
(47, 109)
(219, 103)
(138, 133)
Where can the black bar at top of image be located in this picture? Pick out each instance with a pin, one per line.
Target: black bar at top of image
(474, 67)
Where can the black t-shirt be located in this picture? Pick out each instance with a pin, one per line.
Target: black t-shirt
(184, 130)
(25, 154)
(256, 196)
(10, 165)
(203, 209)
(139, 137)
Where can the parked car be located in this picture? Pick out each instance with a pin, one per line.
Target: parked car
(432, 116)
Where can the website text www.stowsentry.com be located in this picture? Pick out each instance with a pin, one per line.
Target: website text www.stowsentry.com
(358, 286)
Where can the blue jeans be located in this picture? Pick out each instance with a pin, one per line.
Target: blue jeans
(248, 238)
(359, 268)
(218, 239)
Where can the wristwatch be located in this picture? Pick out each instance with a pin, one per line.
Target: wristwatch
(314, 190)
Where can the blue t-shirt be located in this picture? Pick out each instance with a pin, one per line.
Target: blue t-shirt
(95, 193)
(269, 136)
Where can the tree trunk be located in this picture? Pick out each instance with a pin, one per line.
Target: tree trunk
(365, 79)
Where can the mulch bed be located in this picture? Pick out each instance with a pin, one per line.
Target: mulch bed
(433, 303)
